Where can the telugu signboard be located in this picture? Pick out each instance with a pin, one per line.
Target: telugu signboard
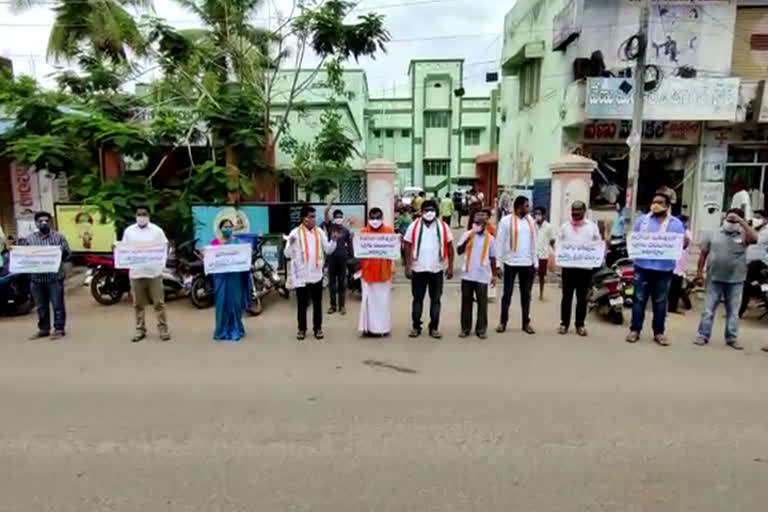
(374, 245)
(141, 255)
(220, 259)
(676, 99)
(655, 246)
(580, 254)
(35, 259)
(679, 133)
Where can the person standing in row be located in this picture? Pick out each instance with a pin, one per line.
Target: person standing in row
(306, 248)
(337, 260)
(375, 312)
(576, 279)
(146, 282)
(653, 276)
(231, 292)
(516, 243)
(428, 247)
(48, 289)
(725, 254)
(479, 271)
(545, 242)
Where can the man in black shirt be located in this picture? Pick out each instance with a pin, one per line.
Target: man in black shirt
(337, 261)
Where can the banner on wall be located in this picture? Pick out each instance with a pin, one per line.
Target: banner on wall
(247, 219)
(84, 228)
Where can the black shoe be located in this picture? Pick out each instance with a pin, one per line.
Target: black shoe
(319, 334)
(58, 334)
(138, 337)
(39, 335)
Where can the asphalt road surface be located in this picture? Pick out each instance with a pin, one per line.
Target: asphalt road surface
(514, 423)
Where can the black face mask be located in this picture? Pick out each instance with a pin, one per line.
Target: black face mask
(44, 228)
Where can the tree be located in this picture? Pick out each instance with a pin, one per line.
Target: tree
(105, 26)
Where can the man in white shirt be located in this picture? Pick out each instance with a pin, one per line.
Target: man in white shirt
(545, 241)
(742, 200)
(428, 246)
(516, 245)
(146, 282)
(306, 248)
(578, 279)
(479, 270)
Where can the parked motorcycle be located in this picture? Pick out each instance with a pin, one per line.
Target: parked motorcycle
(264, 279)
(190, 267)
(605, 295)
(757, 287)
(15, 292)
(625, 268)
(616, 251)
(354, 275)
(108, 284)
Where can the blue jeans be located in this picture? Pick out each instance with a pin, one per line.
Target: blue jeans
(653, 284)
(47, 295)
(731, 293)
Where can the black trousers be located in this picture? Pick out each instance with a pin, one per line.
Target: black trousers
(337, 280)
(676, 293)
(313, 292)
(472, 291)
(575, 280)
(420, 282)
(526, 283)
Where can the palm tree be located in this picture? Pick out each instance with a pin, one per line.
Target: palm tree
(104, 26)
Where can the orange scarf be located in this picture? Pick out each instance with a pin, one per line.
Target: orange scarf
(484, 256)
(515, 229)
(306, 245)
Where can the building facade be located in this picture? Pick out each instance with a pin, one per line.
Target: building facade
(566, 88)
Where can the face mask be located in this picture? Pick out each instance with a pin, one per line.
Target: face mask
(375, 223)
(478, 228)
(44, 227)
(657, 209)
(429, 215)
(338, 221)
(730, 227)
(142, 220)
(227, 232)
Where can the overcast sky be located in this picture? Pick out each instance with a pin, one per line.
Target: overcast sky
(421, 29)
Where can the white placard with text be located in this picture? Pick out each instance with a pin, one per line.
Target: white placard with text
(35, 259)
(375, 245)
(220, 259)
(580, 254)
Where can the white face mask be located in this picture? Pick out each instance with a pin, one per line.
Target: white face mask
(142, 220)
(429, 215)
(375, 223)
(338, 221)
(478, 228)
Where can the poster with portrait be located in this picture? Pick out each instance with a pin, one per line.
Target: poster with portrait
(248, 220)
(84, 228)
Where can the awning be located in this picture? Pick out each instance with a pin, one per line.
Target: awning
(487, 158)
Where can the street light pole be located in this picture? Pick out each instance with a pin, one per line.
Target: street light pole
(638, 90)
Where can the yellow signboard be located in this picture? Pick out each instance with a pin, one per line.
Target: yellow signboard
(84, 229)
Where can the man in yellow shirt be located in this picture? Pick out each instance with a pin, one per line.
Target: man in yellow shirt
(416, 203)
(446, 209)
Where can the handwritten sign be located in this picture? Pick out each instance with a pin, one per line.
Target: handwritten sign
(656, 246)
(35, 259)
(374, 245)
(141, 255)
(580, 254)
(219, 259)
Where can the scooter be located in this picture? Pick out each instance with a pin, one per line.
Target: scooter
(605, 295)
(15, 292)
(264, 279)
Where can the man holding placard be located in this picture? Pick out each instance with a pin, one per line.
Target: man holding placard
(48, 287)
(146, 278)
(655, 243)
(725, 253)
(579, 250)
(375, 313)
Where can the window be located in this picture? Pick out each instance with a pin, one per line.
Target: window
(747, 167)
(529, 82)
(436, 167)
(472, 137)
(406, 134)
(437, 119)
(389, 133)
(377, 133)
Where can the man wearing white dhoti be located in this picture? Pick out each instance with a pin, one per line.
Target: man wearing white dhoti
(375, 314)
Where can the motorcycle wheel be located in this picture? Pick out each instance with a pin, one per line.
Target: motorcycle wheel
(256, 307)
(104, 292)
(200, 294)
(616, 316)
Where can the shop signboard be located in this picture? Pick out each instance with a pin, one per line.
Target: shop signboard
(676, 99)
(683, 133)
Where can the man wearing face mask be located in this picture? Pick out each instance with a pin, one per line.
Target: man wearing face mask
(337, 260)
(147, 282)
(545, 242)
(428, 247)
(48, 289)
(653, 276)
(725, 254)
(479, 271)
(757, 257)
(375, 314)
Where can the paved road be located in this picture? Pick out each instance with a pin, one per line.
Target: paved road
(515, 423)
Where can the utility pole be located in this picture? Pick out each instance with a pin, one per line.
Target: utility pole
(638, 91)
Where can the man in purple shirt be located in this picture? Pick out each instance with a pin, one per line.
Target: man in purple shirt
(653, 277)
